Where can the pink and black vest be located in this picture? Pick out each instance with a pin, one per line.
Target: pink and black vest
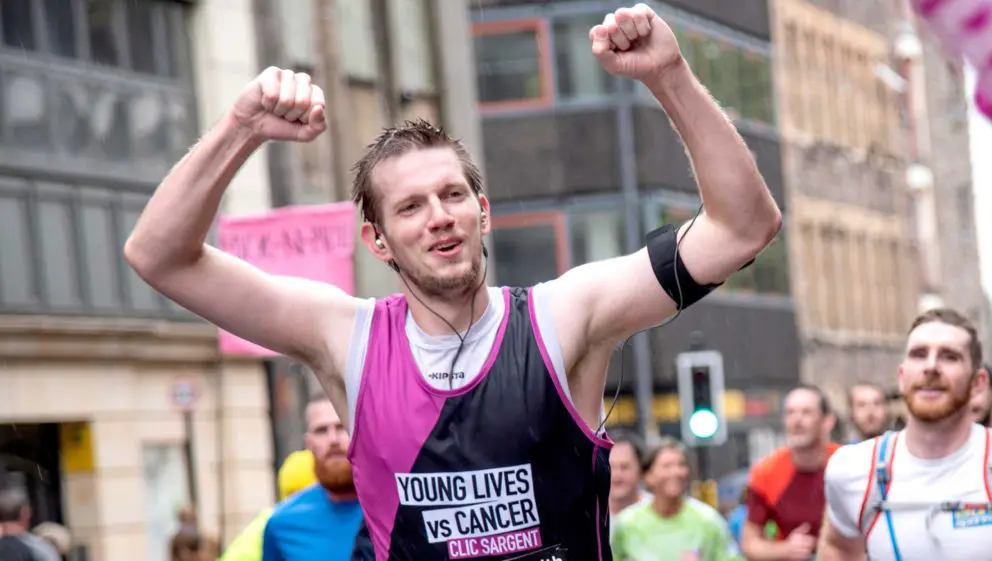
(502, 468)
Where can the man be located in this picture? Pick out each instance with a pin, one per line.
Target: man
(981, 405)
(786, 488)
(869, 410)
(321, 521)
(626, 473)
(466, 402)
(296, 473)
(16, 542)
(899, 496)
(672, 527)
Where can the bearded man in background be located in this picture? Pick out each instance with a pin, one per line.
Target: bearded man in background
(322, 521)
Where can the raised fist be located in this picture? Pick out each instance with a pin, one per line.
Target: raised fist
(635, 43)
(281, 105)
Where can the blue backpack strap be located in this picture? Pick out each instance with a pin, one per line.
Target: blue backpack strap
(879, 475)
(883, 479)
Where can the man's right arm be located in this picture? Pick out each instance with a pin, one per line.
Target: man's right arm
(835, 546)
(306, 320)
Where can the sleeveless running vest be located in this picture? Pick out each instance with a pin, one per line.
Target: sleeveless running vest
(502, 468)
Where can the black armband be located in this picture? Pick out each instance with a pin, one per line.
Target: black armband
(670, 271)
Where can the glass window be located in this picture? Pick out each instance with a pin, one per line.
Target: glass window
(103, 44)
(756, 88)
(60, 23)
(141, 35)
(596, 235)
(18, 28)
(579, 73)
(530, 247)
(509, 65)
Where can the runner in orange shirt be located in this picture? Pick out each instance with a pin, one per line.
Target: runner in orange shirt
(787, 487)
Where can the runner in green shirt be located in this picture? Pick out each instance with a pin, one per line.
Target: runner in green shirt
(673, 527)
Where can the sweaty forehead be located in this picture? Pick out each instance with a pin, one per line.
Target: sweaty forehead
(802, 399)
(417, 171)
(937, 334)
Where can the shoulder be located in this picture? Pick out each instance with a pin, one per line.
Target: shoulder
(705, 513)
(771, 468)
(849, 465)
(289, 508)
(632, 514)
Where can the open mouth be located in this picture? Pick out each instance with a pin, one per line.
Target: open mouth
(446, 248)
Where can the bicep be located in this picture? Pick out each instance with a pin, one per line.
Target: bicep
(291, 316)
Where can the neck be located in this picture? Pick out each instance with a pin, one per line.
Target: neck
(932, 440)
(619, 503)
(667, 507)
(810, 458)
(11, 528)
(461, 311)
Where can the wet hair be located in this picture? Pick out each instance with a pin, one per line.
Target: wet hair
(956, 319)
(396, 141)
(823, 401)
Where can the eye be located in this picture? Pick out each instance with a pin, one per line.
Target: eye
(408, 208)
(456, 194)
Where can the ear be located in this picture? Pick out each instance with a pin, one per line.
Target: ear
(902, 381)
(979, 381)
(486, 221)
(380, 251)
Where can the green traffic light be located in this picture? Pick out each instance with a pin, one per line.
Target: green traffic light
(703, 423)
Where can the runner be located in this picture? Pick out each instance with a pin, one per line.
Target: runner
(673, 526)
(981, 405)
(922, 493)
(867, 403)
(786, 487)
(476, 412)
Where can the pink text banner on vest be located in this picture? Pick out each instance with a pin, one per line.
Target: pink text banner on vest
(314, 242)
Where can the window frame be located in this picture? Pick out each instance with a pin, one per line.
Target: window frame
(557, 219)
(546, 69)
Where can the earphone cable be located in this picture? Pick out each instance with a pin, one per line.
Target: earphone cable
(678, 312)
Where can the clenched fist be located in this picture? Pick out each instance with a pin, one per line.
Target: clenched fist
(635, 43)
(281, 105)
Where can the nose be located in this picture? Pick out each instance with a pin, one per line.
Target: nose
(440, 218)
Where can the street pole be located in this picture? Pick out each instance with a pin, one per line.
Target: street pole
(643, 376)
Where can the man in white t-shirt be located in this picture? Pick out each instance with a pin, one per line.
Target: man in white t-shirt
(941, 457)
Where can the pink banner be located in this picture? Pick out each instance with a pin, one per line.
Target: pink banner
(309, 241)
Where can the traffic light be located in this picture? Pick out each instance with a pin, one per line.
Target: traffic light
(700, 377)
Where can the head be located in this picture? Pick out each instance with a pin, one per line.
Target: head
(328, 441)
(941, 369)
(981, 404)
(626, 468)
(868, 405)
(15, 508)
(667, 473)
(425, 215)
(808, 418)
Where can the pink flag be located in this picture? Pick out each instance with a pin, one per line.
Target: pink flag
(315, 242)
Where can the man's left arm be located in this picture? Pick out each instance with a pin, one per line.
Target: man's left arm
(607, 301)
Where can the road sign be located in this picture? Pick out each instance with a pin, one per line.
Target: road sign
(184, 395)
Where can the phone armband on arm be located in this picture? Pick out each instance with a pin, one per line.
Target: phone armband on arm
(670, 271)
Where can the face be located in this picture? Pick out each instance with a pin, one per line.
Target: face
(668, 476)
(806, 426)
(625, 472)
(868, 410)
(328, 440)
(936, 377)
(430, 221)
(981, 404)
